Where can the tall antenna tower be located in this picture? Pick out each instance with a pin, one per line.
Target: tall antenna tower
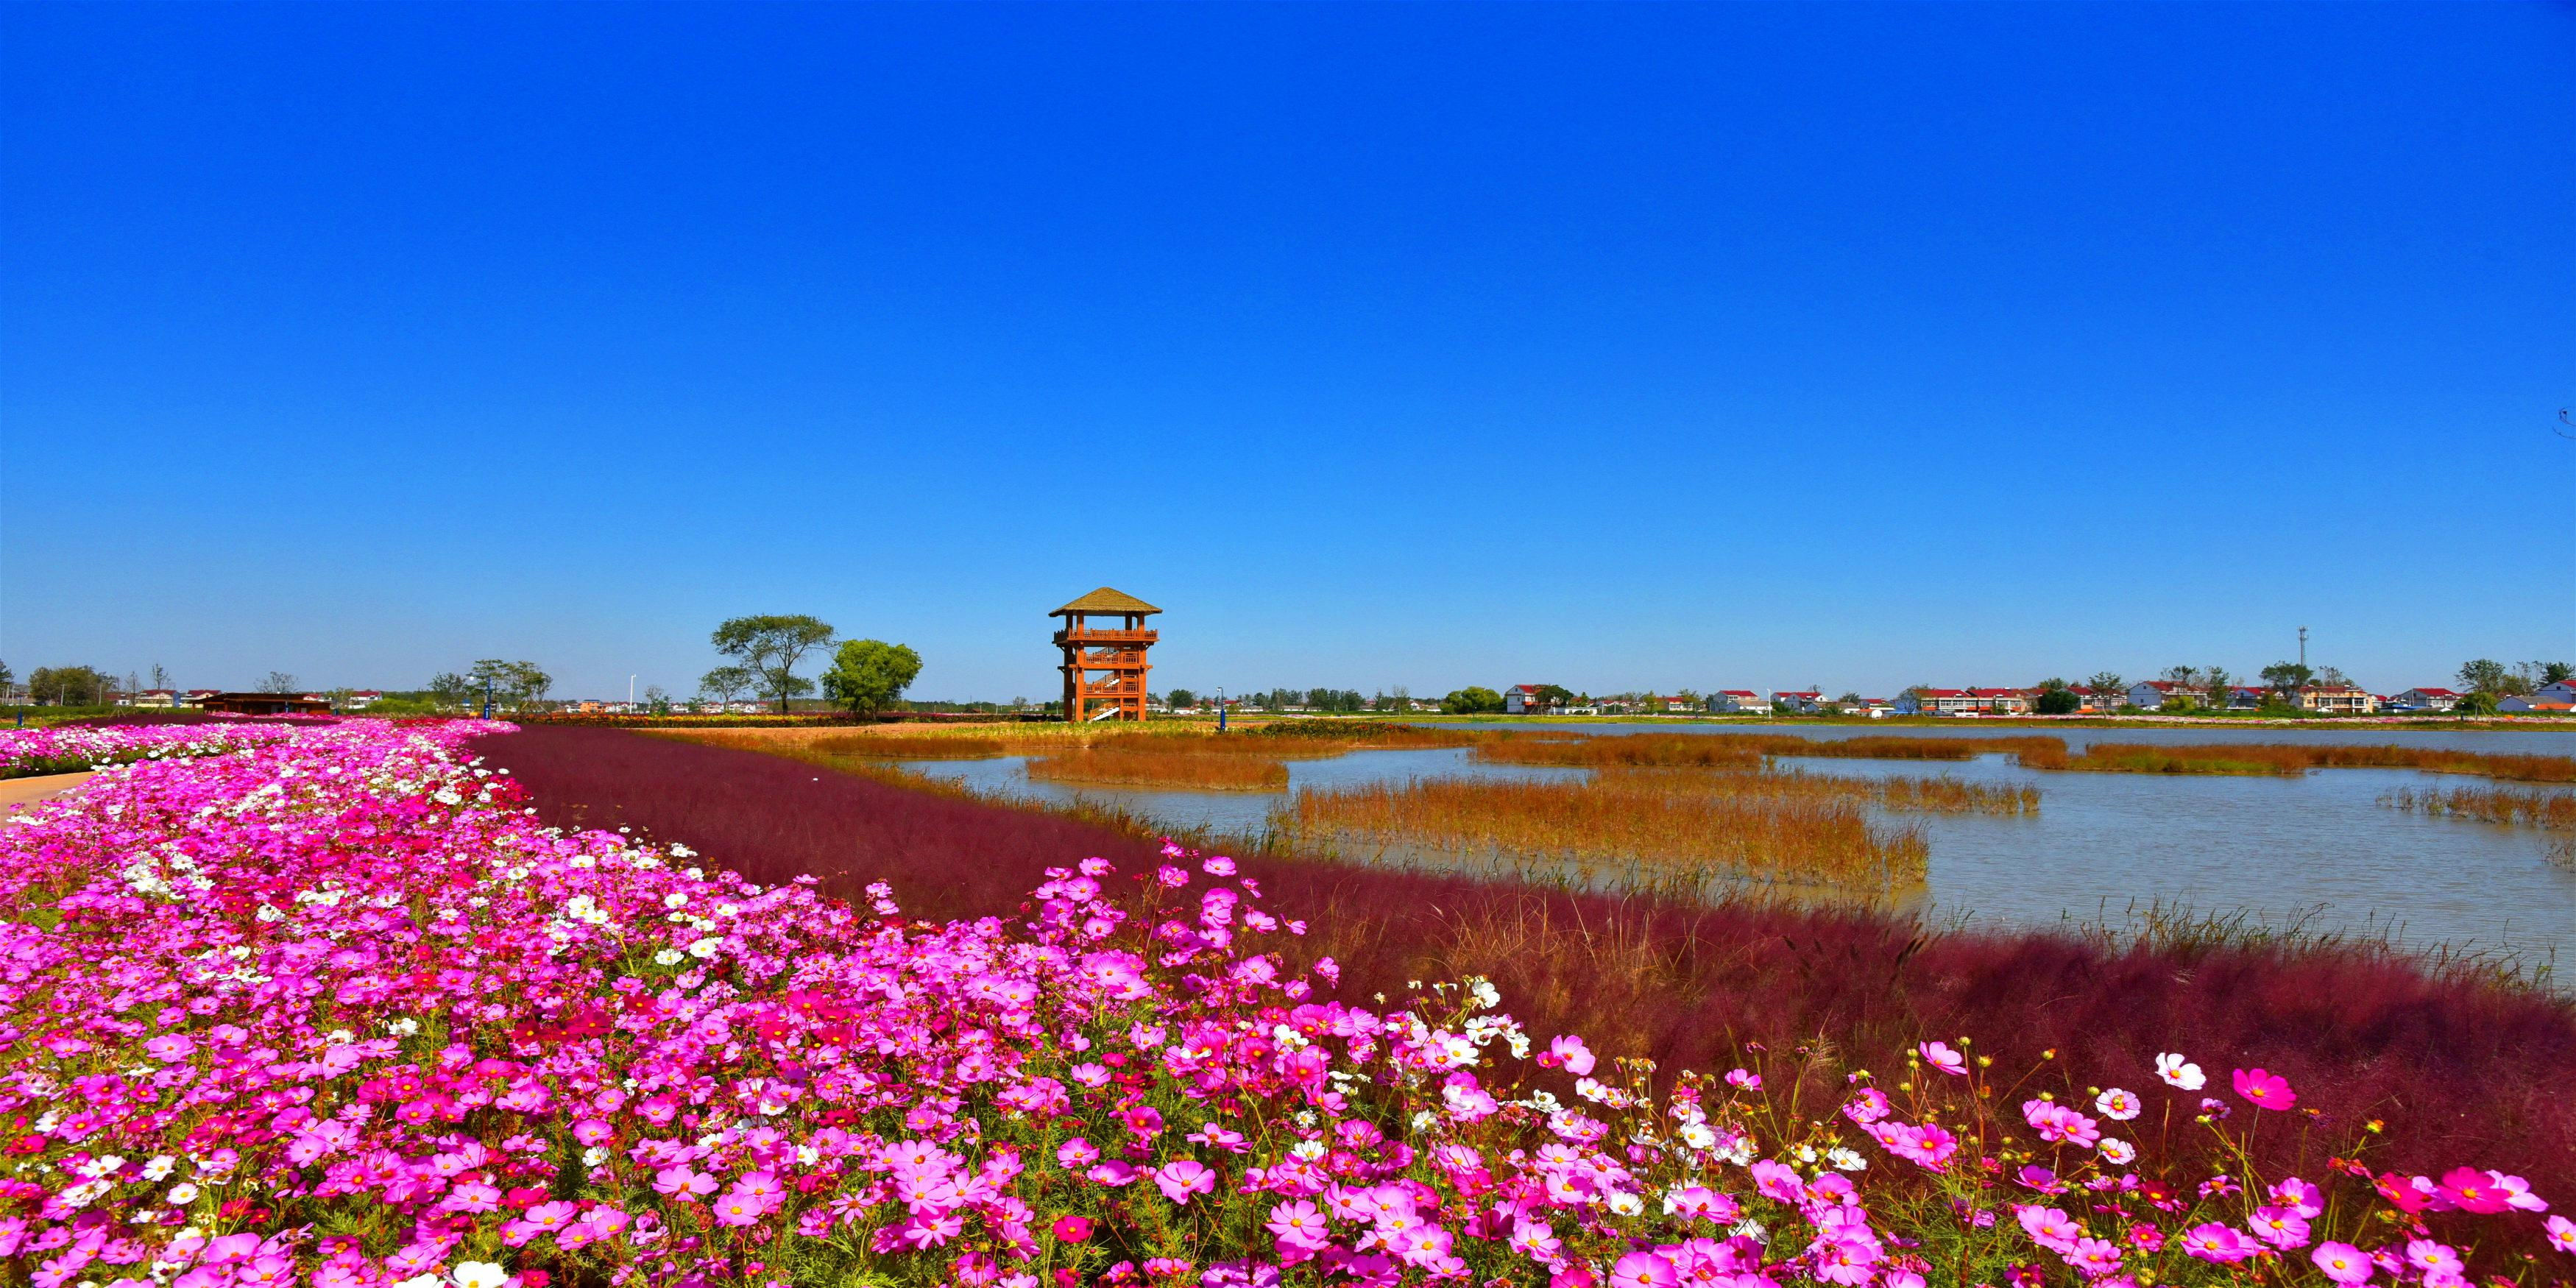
(2303, 648)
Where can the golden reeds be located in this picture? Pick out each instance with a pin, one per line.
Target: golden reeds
(2554, 810)
(1659, 831)
(1133, 768)
(901, 747)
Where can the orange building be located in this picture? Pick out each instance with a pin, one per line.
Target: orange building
(1104, 666)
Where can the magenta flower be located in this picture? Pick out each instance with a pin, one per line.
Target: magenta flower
(1300, 1224)
(1944, 1057)
(1643, 1270)
(2342, 1262)
(1072, 1229)
(2265, 1090)
(2218, 1243)
(1179, 1180)
(1569, 1054)
(683, 1184)
(169, 1048)
(2471, 1190)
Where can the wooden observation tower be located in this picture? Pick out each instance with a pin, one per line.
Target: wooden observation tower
(1104, 666)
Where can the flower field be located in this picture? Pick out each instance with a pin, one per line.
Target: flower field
(71, 748)
(336, 1009)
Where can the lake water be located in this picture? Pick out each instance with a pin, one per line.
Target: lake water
(2318, 848)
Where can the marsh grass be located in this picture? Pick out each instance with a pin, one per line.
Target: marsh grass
(1661, 832)
(2519, 808)
(906, 747)
(1157, 768)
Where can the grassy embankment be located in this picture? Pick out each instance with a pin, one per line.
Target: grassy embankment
(2465, 1063)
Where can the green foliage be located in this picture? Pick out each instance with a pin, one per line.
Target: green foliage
(516, 685)
(771, 645)
(2288, 677)
(68, 686)
(867, 676)
(1181, 698)
(2479, 702)
(2488, 676)
(2058, 701)
(1474, 700)
(725, 683)
(1556, 695)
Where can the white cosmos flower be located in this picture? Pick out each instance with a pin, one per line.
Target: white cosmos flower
(478, 1274)
(1627, 1204)
(2180, 1072)
(2117, 1152)
(2118, 1104)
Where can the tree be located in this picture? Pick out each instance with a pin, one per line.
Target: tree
(339, 697)
(725, 683)
(1474, 700)
(771, 646)
(2105, 684)
(449, 689)
(67, 686)
(657, 699)
(278, 682)
(2479, 702)
(2550, 672)
(2333, 678)
(2060, 701)
(2288, 677)
(2219, 681)
(2488, 676)
(867, 676)
(160, 678)
(512, 684)
(1555, 695)
(1178, 698)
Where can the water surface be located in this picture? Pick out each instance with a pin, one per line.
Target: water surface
(2318, 849)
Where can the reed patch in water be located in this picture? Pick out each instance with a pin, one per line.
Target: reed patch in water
(906, 747)
(2506, 805)
(1671, 833)
(1132, 768)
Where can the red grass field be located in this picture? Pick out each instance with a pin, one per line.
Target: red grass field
(2464, 1070)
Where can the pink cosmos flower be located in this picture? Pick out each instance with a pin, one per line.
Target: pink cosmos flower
(1076, 1152)
(2280, 1227)
(2342, 1262)
(2049, 1227)
(1112, 1173)
(1942, 1056)
(1218, 866)
(738, 1208)
(2517, 1193)
(1643, 1270)
(2299, 1196)
(2117, 1105)
(2561, 1234)
(1072, 1229)
(2093, 1258)
(2265, 1090)
(1569, 1054)
(2218, 1243)
(1775, 1181)
(683, 1184)
(1744, 1080)
(169, 1048)
(1183, 1178)
(1300, 1224)
(2471, 1190)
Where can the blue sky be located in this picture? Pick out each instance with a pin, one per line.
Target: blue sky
(1605, 346)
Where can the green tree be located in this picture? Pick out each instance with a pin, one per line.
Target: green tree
(2056, 698)
(2479, 702)
(2219, 682)
(515, 685)
(2108, 686)
(771, 645)
(1181, 698)
(657, 699)
(2488, 676)
(867, 676)
(67, 686)
(1474, 700)
(2550, 672)
(725, 683)
(2288, 677)
(1556, 695)
(448, 689)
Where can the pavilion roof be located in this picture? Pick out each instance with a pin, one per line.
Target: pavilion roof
(1106, 600)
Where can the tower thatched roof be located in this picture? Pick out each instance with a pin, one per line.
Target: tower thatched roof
(1106, 601)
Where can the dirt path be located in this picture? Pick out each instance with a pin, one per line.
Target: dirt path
(15, 792)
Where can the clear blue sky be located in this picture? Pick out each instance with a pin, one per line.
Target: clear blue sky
(1605, 346)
